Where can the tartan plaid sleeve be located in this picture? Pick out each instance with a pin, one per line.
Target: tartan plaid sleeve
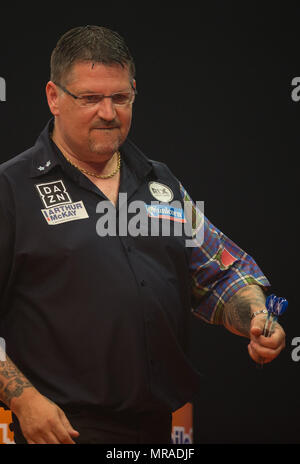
(219, 268)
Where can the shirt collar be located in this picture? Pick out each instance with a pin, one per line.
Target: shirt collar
(46, 158)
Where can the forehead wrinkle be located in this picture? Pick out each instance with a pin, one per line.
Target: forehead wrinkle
(78, 75)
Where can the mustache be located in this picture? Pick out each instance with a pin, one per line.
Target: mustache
(106, 125)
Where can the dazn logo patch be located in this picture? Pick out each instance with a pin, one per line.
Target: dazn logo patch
(53, 194)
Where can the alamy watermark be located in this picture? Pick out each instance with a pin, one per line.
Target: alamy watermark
(2, 350)
(296, 351)
(138, 219)
(295, 95)
(2, 90)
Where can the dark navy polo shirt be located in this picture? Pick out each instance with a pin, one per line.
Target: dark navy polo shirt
(91, 321)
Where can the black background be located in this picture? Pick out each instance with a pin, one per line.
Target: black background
(215, 104)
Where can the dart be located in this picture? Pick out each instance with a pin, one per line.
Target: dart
(279, 308)
(276, 306)
(270, 304)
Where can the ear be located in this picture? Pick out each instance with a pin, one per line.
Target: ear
(52, 93)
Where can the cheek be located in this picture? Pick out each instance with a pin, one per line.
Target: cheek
(77, 122)
(125, 119)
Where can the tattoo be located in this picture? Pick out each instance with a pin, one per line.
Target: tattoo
(237, 312)
(8, 369)
(14, 389)
(16, 384)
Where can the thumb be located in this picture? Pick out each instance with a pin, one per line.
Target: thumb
(257, 326)
(256, 331)
(67, 425)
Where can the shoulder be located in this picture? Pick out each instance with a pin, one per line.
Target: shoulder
(163, 169)
(14, 173)
(19, 164)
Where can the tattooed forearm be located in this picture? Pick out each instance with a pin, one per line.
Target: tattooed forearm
(12, 382)
(237, 312)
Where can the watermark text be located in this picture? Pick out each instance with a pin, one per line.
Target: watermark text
(2, 90)
(2, 350)
(296, 351)
(138, 219)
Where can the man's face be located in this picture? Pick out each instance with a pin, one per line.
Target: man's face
(93, 133)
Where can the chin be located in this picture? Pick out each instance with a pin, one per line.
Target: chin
(104, 148)
(106, 151)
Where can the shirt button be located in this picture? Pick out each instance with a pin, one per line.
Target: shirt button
(143, 283)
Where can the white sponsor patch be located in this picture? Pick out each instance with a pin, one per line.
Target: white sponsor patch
(65, 213)
(161, 192)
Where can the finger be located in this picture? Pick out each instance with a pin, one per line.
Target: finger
(269, 342)
(63, 436)
(265, 352)
(51, 439)
(278, 334)
(253, 354)
(256, 331)
(66, 423)
(275, 340)
(272, 343)
(40, 441)
(256, 357)
(257, 326)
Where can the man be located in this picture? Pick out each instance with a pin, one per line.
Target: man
(94, 323)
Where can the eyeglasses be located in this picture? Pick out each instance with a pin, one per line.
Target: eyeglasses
(118, 99)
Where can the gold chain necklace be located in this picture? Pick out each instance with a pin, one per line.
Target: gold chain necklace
(96, 175)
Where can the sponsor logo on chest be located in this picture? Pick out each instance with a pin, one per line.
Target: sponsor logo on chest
(166, 212)
(161, 192)
(58, 204)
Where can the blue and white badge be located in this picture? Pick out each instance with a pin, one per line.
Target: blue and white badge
(166, 212)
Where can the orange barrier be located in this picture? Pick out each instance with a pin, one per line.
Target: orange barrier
(182, 427)
(6, 436)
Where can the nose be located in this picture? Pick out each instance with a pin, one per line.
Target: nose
(106, 109)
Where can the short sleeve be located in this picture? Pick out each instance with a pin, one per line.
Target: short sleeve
(218, 269)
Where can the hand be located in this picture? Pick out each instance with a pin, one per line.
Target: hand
(42, 421)
(264, 349)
